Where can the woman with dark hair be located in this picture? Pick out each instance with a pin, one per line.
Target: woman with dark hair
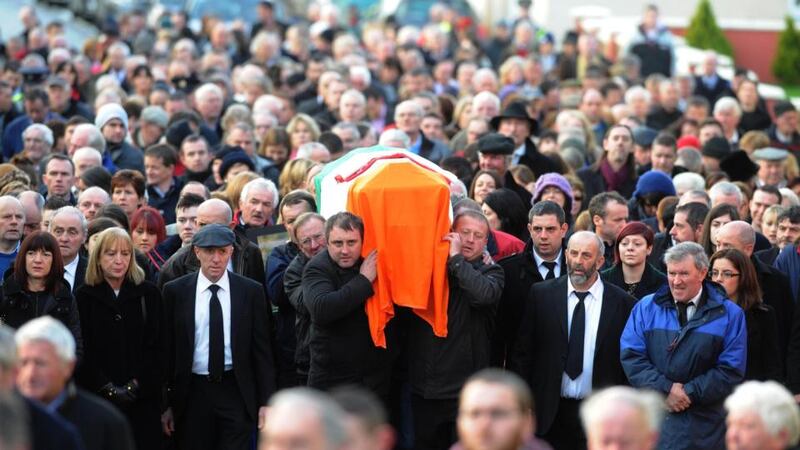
(147, 231)
(715, 219)
(69, 73)
(35, 287)
(120, 313)
(483, 183)
(731, 269)
(505, 212)
(631, 271)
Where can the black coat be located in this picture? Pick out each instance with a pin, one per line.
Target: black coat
(439, 366)
(764, 361)
(722, 88)
(537, 162)
(777, 294)
(594, 183)
(285, 340)
(18, 306)
(253, 363)
(661, 244)
(341, 347)
(292, 283)
(541, 351)
(520, 274)
(651, 280)
(768, 256)
(123, 336)
(101, 426)
(80, 272)
(50, 431)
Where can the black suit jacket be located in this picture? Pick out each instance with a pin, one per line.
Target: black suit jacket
(721, 88)
(100, 424)
(80, 272)
(541, 351)
(778, 294)
(251, 344)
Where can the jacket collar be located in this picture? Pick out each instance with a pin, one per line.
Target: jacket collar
(713, 296)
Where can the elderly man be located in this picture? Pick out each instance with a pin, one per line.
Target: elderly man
(667, 111)
(761, 415)
(36, 111)
(256, 204)
(709, 84)
(87, 135)
(32, 203)
(37, 141)
(728, 113)
(219, 381)
(515, 123)
(246, 259)
(209, 100)
(564, 349)
(352, 106)
(775, 287)
(112, 121)
(772, 166)
(46, 352)
(12, 222)
(689, 342)
(58, 177)
(47, 431)
(84, 159)
(304, 418)
(408, 117)
(152, 125)
(69, 227)
(91, 200)
(622, 417)
(293, 205)
(494, 154)
(315, 152)
(479, 427)
(440, 366)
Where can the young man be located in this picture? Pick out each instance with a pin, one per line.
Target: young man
(163, 188)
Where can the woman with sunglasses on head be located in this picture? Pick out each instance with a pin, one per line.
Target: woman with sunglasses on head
(732, 270)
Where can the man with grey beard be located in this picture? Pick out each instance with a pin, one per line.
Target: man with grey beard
(568, 343)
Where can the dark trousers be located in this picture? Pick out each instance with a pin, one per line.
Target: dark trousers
(566, 433)
(216, 417)
(434, 423)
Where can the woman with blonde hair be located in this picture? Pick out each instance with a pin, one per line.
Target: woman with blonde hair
(302, 129)
(294, 175)
(120, 322)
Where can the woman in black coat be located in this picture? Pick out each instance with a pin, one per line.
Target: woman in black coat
(631, 272)
(35, 287)
(731, 269)
(120, 314)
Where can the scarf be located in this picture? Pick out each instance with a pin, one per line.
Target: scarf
(614, 180)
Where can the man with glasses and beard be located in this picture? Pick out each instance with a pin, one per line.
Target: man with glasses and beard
(568, 343)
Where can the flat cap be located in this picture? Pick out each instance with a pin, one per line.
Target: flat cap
(644, 136)
(155, 115)
(213, 235)
(782, 107)
(495, 144)
(770, 154)
(55, 80)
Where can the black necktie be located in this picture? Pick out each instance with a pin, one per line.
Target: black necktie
(577, 330)
(551, 269)
(216, 336)
(683, 317)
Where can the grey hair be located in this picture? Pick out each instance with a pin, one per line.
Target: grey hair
(96, 139)
(354, 94)
(88, 151)
(262, 184)
(92, 190)
(605, 404)
(394, 135)
(412, 105)
(637, 91)
(485, 96)
(331, 415)
(772, 402)
(600, 245)
(14, 422)
(8, 348)
(305, 150)
(50, 330)
(679, 252)
(688, 181)
(343, 126)
(789, 197)
(47, 133)
(726, 188)
(692, 159)
(119, 46)
(37, 197)
(727, 103)
(70, 210)
(208, 88)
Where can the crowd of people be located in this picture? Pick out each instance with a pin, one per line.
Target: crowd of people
(623, 264)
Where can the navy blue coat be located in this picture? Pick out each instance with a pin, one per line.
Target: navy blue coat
(708, 355)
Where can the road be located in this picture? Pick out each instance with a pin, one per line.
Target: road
(76, 30)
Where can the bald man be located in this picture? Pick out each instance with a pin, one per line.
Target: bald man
(246, 259)
(774, 284)
(12, 222)
(564, 351)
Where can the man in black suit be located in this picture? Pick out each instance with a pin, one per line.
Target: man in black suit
(568, 343)
(219, 360)
(542, 259)
(710, 85)
(69, 227)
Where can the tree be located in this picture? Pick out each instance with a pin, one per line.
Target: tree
(786, 65)
(704, 33)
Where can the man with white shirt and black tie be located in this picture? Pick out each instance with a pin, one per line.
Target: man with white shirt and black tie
(69, 227)
(542, 259)
(219, 358)
(568, 341)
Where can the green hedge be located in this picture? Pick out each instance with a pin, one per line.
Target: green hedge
(704, 33)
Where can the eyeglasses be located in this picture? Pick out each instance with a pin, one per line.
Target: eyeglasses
(305, 243)
(725, 274)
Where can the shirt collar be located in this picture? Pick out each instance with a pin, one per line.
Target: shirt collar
(539, 260)
(73, 266)
(696, 299)
(595, 289)
(203, 283)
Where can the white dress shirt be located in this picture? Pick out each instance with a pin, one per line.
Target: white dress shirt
(581, 386)
(70, 270)
(201, 321)
(543, 269)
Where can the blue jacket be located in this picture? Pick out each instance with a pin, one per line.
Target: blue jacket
(788, 262)
(708, 355)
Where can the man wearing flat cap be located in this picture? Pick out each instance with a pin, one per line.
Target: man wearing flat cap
(219, 364)
(515, 123)
(495, 154)
(771, 166)
(783, 133)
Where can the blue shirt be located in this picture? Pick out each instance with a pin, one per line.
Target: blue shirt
(6, 260)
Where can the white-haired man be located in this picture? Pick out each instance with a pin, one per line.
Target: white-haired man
(408, 117)
(761, 415)
(46, 353)
(622, 417)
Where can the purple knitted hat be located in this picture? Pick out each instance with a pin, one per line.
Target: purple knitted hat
(552, 179)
